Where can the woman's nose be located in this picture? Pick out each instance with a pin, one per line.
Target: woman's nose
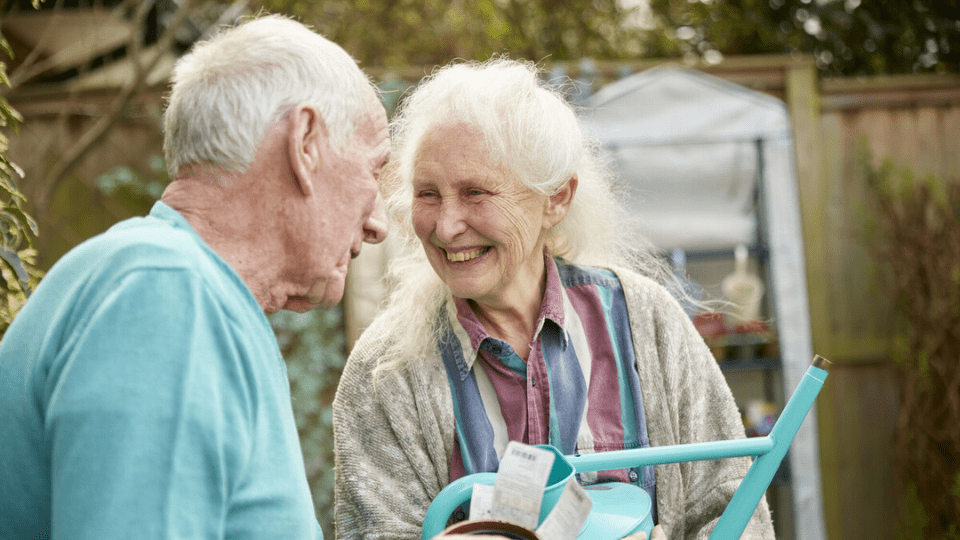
(450, 220)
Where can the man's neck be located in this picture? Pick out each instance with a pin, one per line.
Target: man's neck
(235, 221)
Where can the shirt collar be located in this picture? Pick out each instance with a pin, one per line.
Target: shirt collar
(164, 212)
(470, 331)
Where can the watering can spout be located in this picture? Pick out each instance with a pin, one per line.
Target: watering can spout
(821, 363)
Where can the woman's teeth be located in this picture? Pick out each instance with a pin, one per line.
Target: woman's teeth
(464, 255)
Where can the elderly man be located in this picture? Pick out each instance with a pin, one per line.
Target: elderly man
(142, 392)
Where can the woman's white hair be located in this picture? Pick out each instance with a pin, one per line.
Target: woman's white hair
(532, 131)
(228, 91)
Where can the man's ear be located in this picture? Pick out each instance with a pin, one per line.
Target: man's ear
(306, 139)
(559, 203)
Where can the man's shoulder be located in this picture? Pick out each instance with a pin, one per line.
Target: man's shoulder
(140, 246)
(144, 243)
(135, 256)
(150, 277)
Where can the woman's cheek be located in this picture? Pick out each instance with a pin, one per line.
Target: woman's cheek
(421, 221)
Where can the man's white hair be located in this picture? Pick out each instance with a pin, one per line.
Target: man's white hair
(229, 90)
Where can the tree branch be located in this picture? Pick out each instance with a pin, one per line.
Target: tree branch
(22, 72)
(99, 130)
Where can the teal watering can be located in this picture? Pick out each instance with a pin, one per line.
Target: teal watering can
(621, 509)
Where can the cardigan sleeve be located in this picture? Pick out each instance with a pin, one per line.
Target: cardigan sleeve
(393, 438)
(687, 400)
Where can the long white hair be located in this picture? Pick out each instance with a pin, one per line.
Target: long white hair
(229, 90)
(531, 130)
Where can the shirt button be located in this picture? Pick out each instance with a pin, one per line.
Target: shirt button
(533, 382)
(633, 475)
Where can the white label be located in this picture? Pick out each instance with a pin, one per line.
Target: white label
(568, 516)
(518, 492)
(481, 501)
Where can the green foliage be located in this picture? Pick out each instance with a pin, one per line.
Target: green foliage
(914, 516)
(312, 344)
(18, 271)
(847, 37)
(124, 179)
(915, 519)
(429, 32)
(916, 237)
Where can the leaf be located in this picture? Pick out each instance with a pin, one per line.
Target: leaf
(5, 47)
(15, 270)
(26, 221)
(10, 190)
(9, 115)
(7, 189)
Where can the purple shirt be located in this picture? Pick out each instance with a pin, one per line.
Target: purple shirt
(578, 390)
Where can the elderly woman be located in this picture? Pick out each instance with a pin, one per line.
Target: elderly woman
(519, 314)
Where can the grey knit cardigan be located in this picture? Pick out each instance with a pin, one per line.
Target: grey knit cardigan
(393, 439)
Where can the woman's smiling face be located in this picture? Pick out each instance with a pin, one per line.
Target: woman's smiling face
(481, 228)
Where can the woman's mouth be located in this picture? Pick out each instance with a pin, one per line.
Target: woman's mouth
(465, 255)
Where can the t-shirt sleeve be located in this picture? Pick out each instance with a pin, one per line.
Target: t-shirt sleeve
(147, 424)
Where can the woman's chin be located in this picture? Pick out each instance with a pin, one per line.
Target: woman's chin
(468, 289)
(469, 280)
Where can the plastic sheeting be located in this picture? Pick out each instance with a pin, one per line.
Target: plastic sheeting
(662, 179)
(696, 154)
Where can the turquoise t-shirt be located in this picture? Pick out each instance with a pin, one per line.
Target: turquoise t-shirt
(142, 395)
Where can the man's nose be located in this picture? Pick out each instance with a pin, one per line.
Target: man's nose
(376, 228)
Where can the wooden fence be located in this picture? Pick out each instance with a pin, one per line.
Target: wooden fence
(915, 122)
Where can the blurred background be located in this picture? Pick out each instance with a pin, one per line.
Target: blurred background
(798, 158)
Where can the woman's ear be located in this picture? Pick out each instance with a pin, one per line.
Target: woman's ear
(559, 203)
(306, 139)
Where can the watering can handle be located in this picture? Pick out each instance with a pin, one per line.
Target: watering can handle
(740, 509)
